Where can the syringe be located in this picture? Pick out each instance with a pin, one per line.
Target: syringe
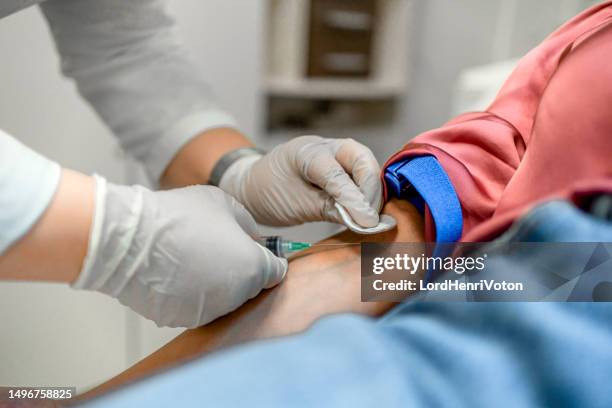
(281, 247)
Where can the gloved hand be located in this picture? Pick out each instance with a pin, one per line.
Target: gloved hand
(180, 257)
(300, 180)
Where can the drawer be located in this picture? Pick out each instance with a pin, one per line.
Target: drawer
(340, 38)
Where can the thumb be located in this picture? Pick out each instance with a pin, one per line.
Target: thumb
(273, 267)
(243, 217)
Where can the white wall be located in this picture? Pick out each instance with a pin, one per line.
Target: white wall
(450, 36)
(226, 38)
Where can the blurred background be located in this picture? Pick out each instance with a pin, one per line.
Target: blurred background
(379, 71)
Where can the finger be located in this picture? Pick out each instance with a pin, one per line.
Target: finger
(359, 161)
(243, 217)
(273, 268)
(323, 170)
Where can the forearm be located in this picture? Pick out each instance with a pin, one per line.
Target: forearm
(195, 161)
(55, 247)
(317, 284)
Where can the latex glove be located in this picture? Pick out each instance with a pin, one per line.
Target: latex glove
(180, 257)
(299, 181)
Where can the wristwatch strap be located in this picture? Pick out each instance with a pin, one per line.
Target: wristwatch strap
(228, 159)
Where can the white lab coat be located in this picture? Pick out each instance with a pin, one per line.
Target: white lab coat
(128, 63)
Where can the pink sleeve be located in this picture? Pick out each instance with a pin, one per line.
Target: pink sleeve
(481, 151)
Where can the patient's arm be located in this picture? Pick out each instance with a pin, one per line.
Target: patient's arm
(323, 281)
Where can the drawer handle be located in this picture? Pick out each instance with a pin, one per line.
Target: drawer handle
(348, 20)
(345, 62)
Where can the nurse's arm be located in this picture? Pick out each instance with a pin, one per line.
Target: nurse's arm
(317, 284)
(54, 248)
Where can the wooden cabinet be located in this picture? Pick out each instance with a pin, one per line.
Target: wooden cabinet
(340, 38)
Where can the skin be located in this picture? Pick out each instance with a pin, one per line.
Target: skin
(55, 247)
(194, 163)
(319, 282)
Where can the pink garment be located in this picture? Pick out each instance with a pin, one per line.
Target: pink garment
(547, 134)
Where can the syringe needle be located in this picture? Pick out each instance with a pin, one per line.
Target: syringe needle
(335, 244)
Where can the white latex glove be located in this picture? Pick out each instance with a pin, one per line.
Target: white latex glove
(299, 181)
(180, 257)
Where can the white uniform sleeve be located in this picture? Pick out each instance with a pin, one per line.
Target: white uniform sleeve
(127, 62)
(27, 184)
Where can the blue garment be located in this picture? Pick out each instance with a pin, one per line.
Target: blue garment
(420, 354)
